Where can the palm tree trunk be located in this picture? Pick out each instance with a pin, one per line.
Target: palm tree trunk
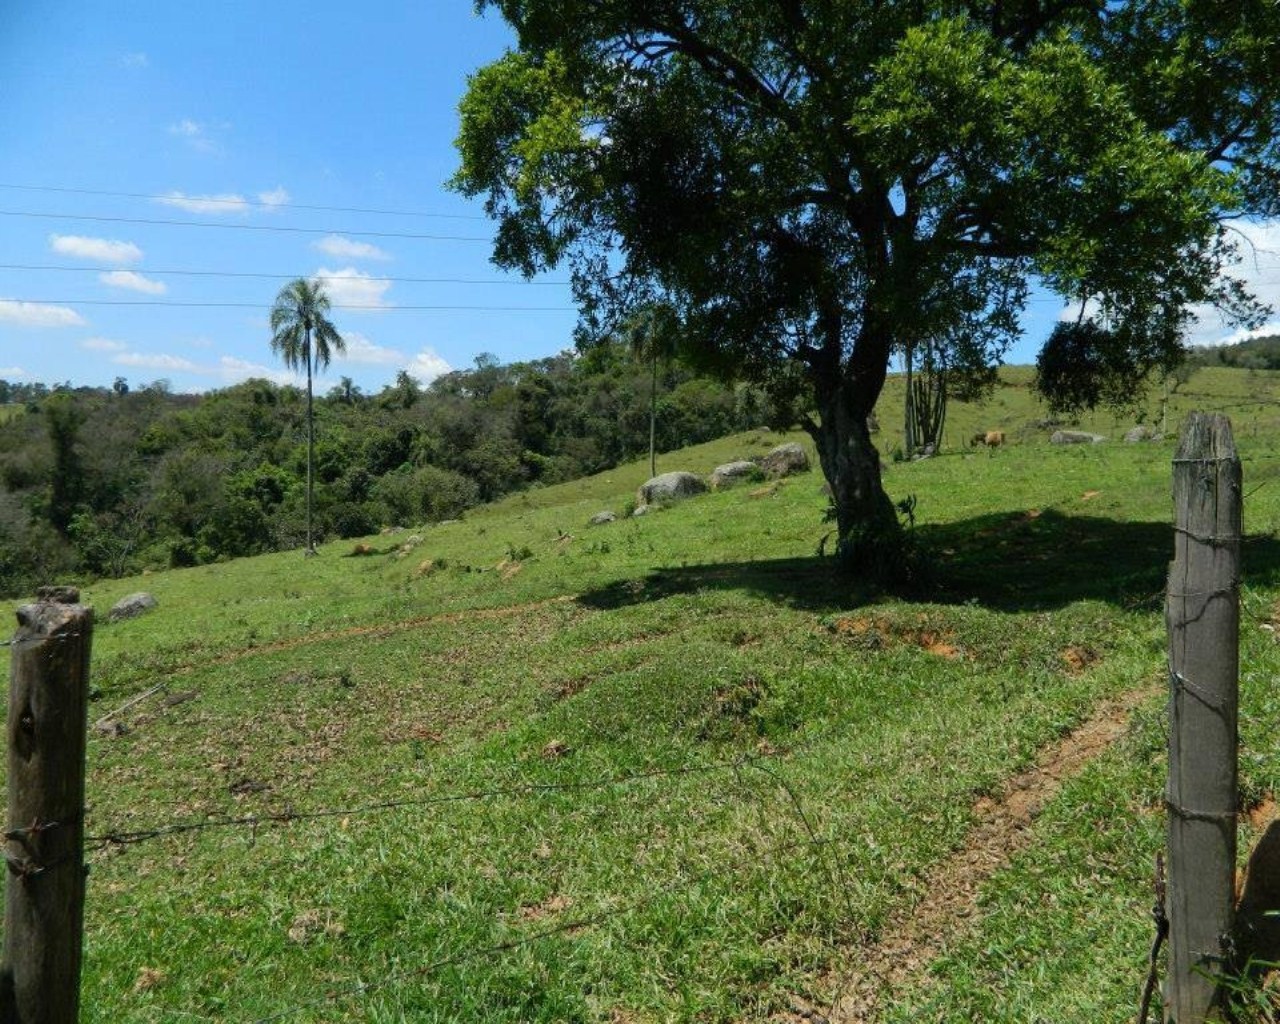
(653, 419)
(311, 550)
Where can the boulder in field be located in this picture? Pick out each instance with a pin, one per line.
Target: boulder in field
(732, 473)
(669, 487)
(785, 459)
(1075, 437)
(1141, 433)
(131, 607)
(600, 518)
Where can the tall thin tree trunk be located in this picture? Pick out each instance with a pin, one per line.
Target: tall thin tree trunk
(653, 419)
(909, 432)
(311, 550)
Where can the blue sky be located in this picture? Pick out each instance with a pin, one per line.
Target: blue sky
(234, 117)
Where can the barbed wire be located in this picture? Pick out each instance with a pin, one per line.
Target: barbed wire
(122, 837)
(586, 921)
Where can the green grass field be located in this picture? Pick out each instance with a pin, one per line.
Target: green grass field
(669, 768)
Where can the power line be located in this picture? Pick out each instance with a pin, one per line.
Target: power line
(264, 305)
(278, 228)
(239, 202)
(278, 277)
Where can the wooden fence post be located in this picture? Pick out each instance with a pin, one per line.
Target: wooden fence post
(44, 836)
(1203, 612)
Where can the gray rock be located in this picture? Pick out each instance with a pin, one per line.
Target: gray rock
(131, 607)
(669, 487)
(600, 518)
(640, 510)
(732, 472)
(1075, 437)
(785, 460)
(1139, 434)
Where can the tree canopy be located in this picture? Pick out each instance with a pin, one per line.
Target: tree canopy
(814, 185)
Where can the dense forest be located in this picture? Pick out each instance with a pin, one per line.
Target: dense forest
(109, 481)
(1254, 354)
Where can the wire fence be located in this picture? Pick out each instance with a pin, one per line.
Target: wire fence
(769, 766)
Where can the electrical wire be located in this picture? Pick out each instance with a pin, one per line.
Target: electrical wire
(279, 228)
(280, 277)
(262, 305)
(238, 202)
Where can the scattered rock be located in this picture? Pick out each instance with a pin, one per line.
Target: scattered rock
(732, 472)
(1075, 437)
(58, 595)
(640, 510)
(131, 607)
(246, 786)
(1141, 433)
(669, 487)
(600, 518)
(112, 729)
(425, 568)
(785, 460)
(556, 749)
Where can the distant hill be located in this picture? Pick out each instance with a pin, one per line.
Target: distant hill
(1254, 354)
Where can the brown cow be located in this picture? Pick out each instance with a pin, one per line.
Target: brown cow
(990, 438)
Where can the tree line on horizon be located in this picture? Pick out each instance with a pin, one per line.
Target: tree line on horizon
(108, 481)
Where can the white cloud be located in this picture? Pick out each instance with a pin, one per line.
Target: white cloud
(1258, 269)
(427, 366)
(234, 370)
(351, 287)
(195, 134)
(361, 350)
(227, 202)
(36, 314)
(157, 361)
(134, 60)
(278, 196)
(12, 371)
(102, 250)
(341, 248)
(133, 282)
(103, 345)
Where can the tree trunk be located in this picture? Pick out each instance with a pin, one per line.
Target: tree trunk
(311, 550)
(653, 420)
(909, 428)
(870, 537)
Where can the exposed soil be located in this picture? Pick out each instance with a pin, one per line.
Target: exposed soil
(917, 934)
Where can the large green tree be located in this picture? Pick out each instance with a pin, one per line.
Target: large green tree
(816, 185)
(303, 336)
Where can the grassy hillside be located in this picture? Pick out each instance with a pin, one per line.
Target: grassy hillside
(517, 768)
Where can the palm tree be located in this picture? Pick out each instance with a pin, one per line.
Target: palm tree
(651, 335)
(302, 335)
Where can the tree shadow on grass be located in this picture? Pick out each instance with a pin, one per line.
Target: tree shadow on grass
(1008, 561)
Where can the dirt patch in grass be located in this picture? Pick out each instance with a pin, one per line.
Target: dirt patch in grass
(916, 935)
(877, 631)
(1078, 658)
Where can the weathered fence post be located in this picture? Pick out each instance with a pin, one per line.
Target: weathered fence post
(1204, 629)
(44, 837)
